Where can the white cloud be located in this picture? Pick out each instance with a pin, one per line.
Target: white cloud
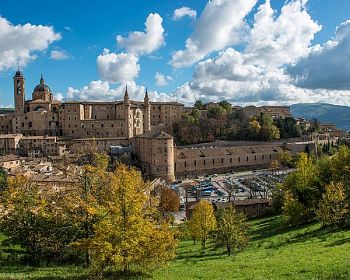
(19, 43)
(276, 41)
(59, 96)
(326, 66)
(59, 55)
(116, 68)
(68, 28)
(145, 42)
(257, 74)
(162, 80)
(102, 91)
(183, 12)
(221, 24)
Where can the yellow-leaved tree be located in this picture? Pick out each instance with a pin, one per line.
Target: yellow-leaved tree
(333, 206)
(203, 221)
(129, 237)
(231, 230)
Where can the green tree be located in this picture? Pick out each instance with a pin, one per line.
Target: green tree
(293, 210)
(333, 206)
(30, 218)
(3, 179)
(216, 112)
(203, 221)
(195, 114)
(226, 105)
(198, 105)
(231, 230)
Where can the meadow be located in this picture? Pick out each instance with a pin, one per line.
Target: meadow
(276, 251)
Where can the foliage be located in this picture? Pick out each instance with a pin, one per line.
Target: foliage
(30, 219)
(198, 105)
(333, 206)
(307, 186)
(287, 127)
(317, 253)
(286, 159)
(261, 127)
(203, 221)
(169, 201)
(3, 179)
(84, 204)
(128, 237)
(304, 183)
(293, 209)
(231, 230)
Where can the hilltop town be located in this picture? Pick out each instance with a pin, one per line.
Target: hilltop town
(142, 134)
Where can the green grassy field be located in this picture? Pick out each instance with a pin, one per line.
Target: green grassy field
(275, 252)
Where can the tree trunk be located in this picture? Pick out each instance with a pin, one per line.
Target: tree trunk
(228, 250)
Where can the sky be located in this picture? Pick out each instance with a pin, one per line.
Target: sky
(248, 52)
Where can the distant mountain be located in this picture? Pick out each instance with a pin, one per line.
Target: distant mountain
(340, 115)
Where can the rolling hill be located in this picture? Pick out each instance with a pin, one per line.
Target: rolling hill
(340, 115)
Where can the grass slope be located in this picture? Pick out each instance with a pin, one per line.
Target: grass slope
(275, 252)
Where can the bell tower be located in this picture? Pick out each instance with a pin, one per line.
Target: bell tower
(147, 107)
(19, 92)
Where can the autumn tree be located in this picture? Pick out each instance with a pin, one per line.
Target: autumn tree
(84, 204)
(203, 221)
(231, 230)
(129, 237)
(169, 201)
(333, 206)
(304, 184)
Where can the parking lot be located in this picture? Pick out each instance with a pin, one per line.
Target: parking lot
(228, 187)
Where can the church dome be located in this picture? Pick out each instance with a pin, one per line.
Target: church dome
(42, 87)
(18, 74)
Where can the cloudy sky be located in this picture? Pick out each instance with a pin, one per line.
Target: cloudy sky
(242, 51)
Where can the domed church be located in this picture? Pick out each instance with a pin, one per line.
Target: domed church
(45, 116)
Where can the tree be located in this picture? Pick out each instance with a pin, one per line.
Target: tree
(286, 159)
(203, 221)
(231, 230)
(3, 179)
(293, 209)
(169, 201)
(84, 204)
(226, 105)
(254, 128)
(198, 105)
(333, 206)
(216, 112)
(31, 219)
(195, 114)
(304, 184)
(129, 237)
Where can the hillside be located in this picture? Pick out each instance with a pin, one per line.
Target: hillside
(340, 115)
(275, 252)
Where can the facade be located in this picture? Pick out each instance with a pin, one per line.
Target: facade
(273, 111)
(43, 115)
(156, 154)
(30, 146)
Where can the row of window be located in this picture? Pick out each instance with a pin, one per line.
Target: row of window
(222, 160)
